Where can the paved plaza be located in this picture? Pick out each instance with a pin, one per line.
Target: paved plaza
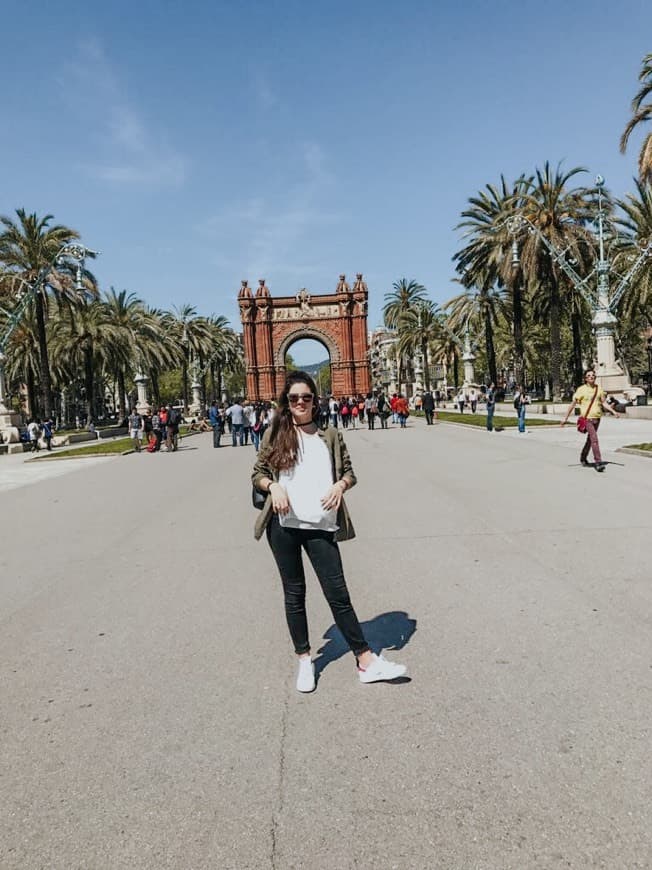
(148, 711)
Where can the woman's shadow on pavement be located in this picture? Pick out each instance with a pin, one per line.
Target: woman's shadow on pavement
(391, 630)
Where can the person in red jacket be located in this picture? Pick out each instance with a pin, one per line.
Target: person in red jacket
(392, 405)
(402, 410)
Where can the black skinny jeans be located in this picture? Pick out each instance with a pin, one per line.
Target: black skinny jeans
(324, 555)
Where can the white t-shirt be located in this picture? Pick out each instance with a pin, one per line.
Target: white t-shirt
(306, 484)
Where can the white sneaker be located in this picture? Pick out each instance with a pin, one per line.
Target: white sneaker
(380, 669)
(306, 676)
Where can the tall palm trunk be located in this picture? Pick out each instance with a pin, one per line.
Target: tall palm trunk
(426, 367)
(122, 407)
(45, 378)
(213, 388)
(184, 383)
(218, 380)
(32, 402)
(156, 392)
(555, 339)
(455, 370)
(576, 329)
(89, 383)
(519, 346)
(491, 350)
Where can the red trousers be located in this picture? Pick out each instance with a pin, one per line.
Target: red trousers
(591, 441)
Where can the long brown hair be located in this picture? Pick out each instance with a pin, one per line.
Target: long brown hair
(283, 436)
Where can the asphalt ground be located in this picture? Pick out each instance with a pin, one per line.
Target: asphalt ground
(147, 704)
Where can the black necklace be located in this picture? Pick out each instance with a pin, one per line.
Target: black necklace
(309, 423)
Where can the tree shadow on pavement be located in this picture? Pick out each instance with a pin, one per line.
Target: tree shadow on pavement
(391, 630)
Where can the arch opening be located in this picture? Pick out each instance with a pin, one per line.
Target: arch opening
(313, 356)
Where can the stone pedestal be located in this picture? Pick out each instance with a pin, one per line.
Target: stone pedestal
(468, 358)
(610, 375)
(469, 371)
(195, 406)
(9, 426)
(9, 421)
(142, 405)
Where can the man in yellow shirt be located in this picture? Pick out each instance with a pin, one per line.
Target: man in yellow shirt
(592, 401)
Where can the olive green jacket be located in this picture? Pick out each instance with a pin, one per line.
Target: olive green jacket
(342, 470)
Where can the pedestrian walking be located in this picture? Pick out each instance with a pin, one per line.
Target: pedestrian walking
(491, 407)
(473, 400)
(428, 405)
(48, 431)
(392, 405)
(163, 417)
(305, 471)
(216, 424)
(135, 425)
(461, 400)
(235, 413)
(402, 411)
(34, 432)
(371, 410)
(521, 401)
(333, 410)
(383, 410)
(324, 411)
(248, 414)
(593, 402)
(156, 430)
(355, 415)
(174, 422)
(344, 413)
(258, 428)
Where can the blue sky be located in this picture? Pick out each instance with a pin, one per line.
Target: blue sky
(199, 143)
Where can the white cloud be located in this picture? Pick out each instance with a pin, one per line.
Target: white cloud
(128, 150)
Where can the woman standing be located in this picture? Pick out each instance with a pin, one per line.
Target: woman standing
(305, 471)
(521, 399)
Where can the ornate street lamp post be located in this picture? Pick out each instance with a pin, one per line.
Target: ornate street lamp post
(610, 374)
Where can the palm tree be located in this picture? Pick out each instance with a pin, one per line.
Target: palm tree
(225, 354)
(28, 248)
(446, 350)
(22, 364)
(418, 328)
(636, 220)
(488, 255)
(478, 309)
(189, 338)
(135, 329)
(560, 214)
(641, 112)
(405, 296)
(83, 338)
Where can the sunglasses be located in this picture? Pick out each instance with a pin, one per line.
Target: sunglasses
(293, 398)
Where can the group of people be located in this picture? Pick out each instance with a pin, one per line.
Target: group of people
(245, 421)
(153, 430)
(353, 411)
(37, 429)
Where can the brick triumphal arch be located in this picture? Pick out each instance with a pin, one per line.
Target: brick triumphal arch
(271, 324)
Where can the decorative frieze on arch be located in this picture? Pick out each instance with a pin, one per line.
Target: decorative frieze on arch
(271, 324)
